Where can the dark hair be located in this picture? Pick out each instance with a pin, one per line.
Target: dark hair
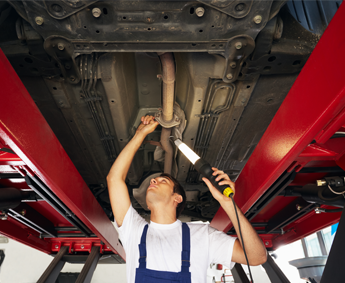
(179, 190)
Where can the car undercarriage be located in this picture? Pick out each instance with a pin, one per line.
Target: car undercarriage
(213, 73)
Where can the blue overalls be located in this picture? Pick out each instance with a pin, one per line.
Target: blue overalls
(153, 276)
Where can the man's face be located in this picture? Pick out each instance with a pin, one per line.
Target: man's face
(161, 189)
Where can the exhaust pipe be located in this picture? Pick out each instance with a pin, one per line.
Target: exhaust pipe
(168, 68)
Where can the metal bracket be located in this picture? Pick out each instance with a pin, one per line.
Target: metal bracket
(237, 50)
(62, 50)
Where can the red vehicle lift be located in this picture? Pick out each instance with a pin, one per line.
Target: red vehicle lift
(30, 148)
(298, 138)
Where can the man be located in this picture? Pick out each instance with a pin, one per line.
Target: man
(170, 251)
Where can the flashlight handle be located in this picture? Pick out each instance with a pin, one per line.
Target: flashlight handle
(224, 189)
(205, 169)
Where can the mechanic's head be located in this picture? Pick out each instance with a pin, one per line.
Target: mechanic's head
(166, 189)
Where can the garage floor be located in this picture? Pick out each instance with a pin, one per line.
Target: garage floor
(23, 264)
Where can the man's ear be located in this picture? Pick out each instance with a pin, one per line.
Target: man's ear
(178, 198)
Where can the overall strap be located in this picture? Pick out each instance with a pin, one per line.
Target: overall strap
(142, 249)
(185, 248)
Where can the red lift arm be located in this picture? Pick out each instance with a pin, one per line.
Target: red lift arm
(39, 153)
(314, 109)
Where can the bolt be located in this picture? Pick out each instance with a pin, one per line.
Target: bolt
(200, 11)
(56, 246)
(239, 7)
(23, 212)
(317, 210)
(72, 79)
(229, 76)
(72, 250)
(96, 12)
(257, 19)
(177, 119)
(233, 65)
(266, 243)
(299, 207)
(238, 45)
(82, 246)
(243, 100)
(61, 46)
(39, 21)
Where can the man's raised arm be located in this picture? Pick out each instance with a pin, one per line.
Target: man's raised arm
(255, 249)
(118, 191)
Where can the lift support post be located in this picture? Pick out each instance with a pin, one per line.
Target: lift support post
(53, 270)
(274, 272)
(333, 271)
(239, 275)
(89, 267)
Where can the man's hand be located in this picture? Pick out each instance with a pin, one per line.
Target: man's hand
(147, 125)
(222, 179)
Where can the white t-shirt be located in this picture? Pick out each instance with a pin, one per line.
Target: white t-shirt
(164, 246)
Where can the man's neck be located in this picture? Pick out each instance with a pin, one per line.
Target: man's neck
(163, 215)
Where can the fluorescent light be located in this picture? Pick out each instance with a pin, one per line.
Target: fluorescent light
(190, 154)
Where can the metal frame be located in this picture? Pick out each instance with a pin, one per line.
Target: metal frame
(25, 131)
(11, 228)
(274, 272)
(86, 273)
(311, 111)
(53, 270)
(333, 271)
(239, 275)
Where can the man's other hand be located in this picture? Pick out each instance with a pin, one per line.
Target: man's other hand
(222, 179)
(147, 125)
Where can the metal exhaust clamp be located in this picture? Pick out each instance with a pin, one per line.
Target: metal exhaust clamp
(174, 122)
